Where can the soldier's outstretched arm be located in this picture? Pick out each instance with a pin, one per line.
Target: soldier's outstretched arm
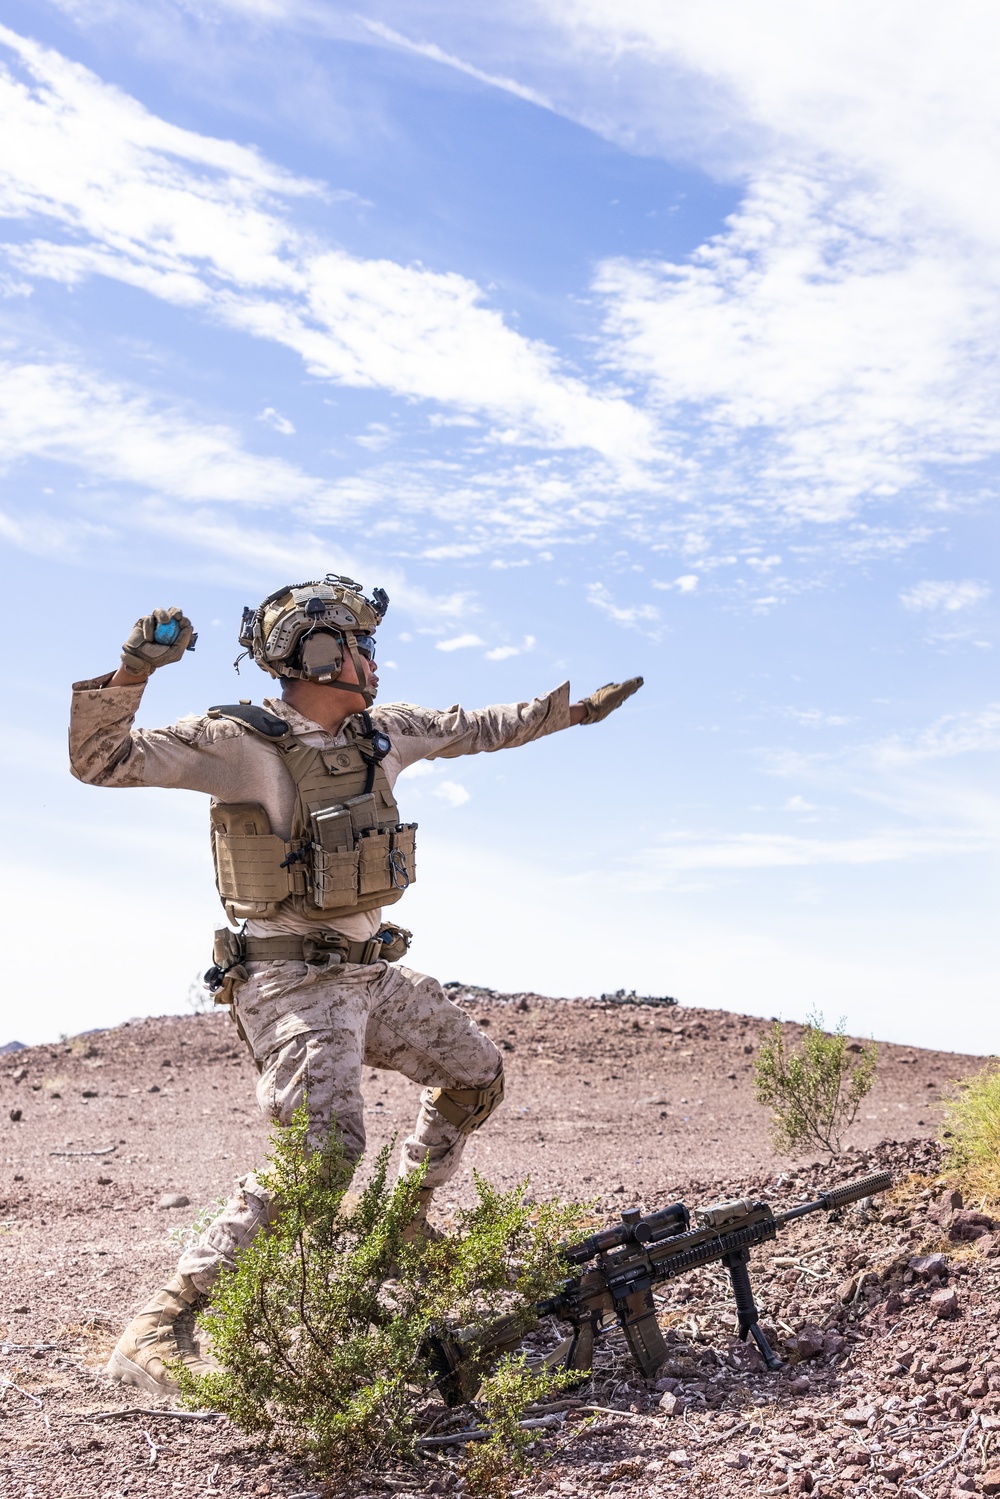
(433, 734)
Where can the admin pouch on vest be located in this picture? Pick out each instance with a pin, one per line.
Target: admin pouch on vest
(348, 851)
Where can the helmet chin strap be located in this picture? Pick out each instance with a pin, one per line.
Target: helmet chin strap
(362, 682)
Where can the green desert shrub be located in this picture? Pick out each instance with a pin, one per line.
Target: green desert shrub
(504, 1397)
(972, 1131)
(320, 1329)
(813, 1092)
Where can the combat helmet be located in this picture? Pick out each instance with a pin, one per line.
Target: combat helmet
(303, 629)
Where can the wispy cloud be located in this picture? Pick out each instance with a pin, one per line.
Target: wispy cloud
(459, 643)
(955, 734)
(833, 346)
(452, 793)
(946, 596)
(62, 411)
(437, 54)
(273, 418)
(644, 617)
(688, 851)
(203, 223)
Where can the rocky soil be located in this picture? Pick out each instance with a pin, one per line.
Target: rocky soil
(888, 1317)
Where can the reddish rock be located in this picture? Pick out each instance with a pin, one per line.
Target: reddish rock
(955, 1365)
(807, 1343)
(966, 1225)
(989, 1483)
(944, 1303)
(929, 1266)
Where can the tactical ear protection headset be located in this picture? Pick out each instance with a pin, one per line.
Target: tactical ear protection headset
(303, 629)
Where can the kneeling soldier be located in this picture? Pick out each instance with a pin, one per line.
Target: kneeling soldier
(309, 848)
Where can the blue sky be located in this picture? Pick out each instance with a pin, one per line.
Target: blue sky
(609, 339)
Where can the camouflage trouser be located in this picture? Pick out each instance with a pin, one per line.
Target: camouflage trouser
(311, 1030)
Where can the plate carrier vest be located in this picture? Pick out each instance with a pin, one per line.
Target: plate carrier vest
(348, 851)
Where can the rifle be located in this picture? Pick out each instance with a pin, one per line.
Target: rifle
(614, 1272)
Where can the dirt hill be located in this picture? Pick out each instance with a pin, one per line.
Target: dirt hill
(624, 1103)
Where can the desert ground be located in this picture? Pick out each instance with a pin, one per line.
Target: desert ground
(887, 1317)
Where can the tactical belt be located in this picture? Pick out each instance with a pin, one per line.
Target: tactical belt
(319, 949)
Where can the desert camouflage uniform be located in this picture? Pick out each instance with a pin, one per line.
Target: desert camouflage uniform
(311, 1029)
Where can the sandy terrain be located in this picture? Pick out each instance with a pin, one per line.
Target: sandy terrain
(623, 1103)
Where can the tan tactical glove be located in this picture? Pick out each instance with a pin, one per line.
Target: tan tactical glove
(156, 640)
(606, 699)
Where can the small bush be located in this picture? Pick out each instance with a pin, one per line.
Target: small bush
(320, 1328)
(972, 1131)
(503, 1399)
(814, 1093)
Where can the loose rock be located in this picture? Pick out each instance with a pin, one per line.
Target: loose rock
(929, 1266)
(944, 1303)
(174, 1200)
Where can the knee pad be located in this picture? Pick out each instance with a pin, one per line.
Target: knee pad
(468, 1108)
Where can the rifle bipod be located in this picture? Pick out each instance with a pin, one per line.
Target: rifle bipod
(746, 1307)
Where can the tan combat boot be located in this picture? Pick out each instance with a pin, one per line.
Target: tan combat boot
(163, 1333)
(419, 1228)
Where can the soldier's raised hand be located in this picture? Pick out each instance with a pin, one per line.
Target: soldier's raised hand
(606, 699)
(157, 639)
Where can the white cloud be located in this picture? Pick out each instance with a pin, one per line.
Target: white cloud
(834, 344)
(954, 734)
(687, 583)
(947, 596)
(451, 793)
(816, 718)
(633, 616)
(504, 652)
(458, 643)
(204, 224)
(375, 437)
(280, 423)
(434, 53)
(63, 412)
(418, 769)
(686, 851)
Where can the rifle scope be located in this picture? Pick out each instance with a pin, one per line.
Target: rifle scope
(633, 1229)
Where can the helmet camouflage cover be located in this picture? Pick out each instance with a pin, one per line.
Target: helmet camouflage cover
(302, 630)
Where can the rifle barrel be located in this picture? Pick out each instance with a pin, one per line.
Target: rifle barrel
(839, 1197)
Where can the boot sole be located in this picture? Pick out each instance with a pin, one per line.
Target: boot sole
(123, 1371)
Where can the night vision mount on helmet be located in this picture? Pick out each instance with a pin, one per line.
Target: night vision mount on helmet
(303, 629)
